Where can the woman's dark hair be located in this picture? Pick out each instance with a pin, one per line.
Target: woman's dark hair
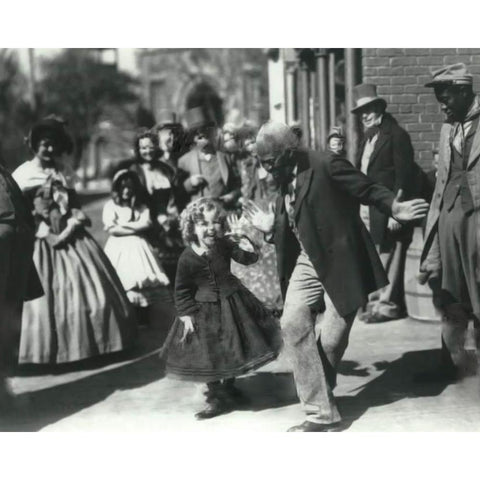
(153, 138)
(122, 178)
(53, 128)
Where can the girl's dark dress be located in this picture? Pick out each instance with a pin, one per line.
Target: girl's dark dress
(234, 332)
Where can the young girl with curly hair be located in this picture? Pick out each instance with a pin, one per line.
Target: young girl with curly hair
(222, 329)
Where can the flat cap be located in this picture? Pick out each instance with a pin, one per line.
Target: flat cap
(456, 74)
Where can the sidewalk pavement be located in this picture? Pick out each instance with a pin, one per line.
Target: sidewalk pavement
(128, 393)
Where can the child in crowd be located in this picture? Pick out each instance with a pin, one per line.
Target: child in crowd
(222, 329)
(127, 219)
(336, 141)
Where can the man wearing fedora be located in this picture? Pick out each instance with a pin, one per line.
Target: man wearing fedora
(206, 170)
(324, 253)
(386, 157)
(170, 137)
(452, 236)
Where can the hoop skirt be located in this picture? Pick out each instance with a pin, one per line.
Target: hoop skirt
(84, 311)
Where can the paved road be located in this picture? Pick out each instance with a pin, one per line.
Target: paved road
(129, 393)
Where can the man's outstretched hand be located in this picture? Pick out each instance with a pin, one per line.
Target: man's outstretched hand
(409, 210)
(260, 219)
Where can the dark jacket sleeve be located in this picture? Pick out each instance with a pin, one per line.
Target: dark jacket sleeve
(7, 238)
(355, 183)
(185, 287)
(403, 162)
(239, 255)
(235, 179)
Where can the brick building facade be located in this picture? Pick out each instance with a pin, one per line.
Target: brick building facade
(318, 84)
(400, 74)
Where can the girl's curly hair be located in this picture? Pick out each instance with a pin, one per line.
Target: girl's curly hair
(195, 211)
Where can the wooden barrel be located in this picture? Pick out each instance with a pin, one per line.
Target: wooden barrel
(418, 298)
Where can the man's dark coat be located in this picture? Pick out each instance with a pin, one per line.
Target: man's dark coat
(329, 191)
(392, 165)
(19, 280)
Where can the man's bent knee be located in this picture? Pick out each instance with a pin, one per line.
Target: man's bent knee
(296, 322)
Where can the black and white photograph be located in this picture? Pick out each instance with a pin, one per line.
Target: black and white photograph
(240, 240)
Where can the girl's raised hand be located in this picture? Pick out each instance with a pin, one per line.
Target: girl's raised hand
(234, 224)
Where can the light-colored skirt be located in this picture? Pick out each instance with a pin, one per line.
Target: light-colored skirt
(84, 311)
(139, 270)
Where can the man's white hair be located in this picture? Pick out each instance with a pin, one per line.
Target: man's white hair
(274, 138)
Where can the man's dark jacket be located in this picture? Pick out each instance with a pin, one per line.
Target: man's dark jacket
(19, 279)
(392, 165)
(329, 191)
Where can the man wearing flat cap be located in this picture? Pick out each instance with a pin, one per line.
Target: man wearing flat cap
(386, 157)
(452, 236)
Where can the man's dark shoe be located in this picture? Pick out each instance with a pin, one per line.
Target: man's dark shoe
(308, 426)
(213, 409)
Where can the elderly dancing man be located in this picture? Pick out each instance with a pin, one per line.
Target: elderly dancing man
(324, 254)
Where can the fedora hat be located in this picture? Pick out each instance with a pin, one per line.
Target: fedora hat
(366, 94)
(166, 118)
(195, 118)
(51, 126)
(456, 74)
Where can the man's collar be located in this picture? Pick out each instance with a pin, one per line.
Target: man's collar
(473, 111)
(200, 251)
(378, 120)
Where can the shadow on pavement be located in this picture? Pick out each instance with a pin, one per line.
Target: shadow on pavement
(43, 406)
(395, 383)
(350, 368)
(268, 390)
(40, 408)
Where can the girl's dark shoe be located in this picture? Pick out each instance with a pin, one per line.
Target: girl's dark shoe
(214, 408)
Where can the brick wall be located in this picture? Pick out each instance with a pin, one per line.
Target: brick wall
(400, 75)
